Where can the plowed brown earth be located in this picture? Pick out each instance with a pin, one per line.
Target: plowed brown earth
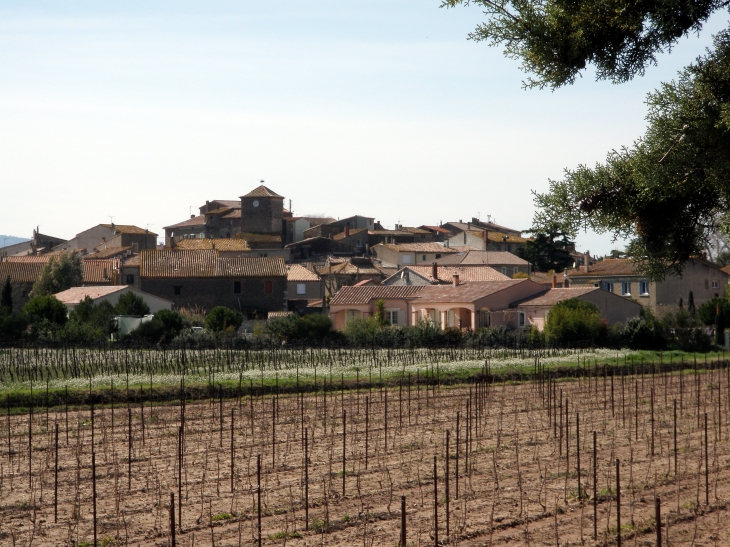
(515, 484)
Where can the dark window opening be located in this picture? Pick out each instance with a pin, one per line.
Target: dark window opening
(268, 287)
(177, 290)
(236, 287)
(130, 279)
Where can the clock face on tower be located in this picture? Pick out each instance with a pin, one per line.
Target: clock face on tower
(256, 203)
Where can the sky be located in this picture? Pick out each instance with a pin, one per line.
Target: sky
(142, 111)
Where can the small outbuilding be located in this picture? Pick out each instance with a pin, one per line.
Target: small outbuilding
(111, 294)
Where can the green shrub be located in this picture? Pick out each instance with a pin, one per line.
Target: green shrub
(572, 322)
(221, 319)
(315, 326)
(172, 321)
(150, 332)
(48, 309)
(131, 304)
(12, 324)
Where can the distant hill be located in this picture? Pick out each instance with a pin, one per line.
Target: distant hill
(11, 240)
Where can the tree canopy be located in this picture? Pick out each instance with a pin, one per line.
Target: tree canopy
(548, 250)
(668, 191)
(557, 39)
(59, 273)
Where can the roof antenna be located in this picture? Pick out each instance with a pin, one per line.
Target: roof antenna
(111, 219)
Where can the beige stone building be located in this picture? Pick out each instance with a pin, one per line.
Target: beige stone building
(620, 276)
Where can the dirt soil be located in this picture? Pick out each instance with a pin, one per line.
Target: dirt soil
(518, 467)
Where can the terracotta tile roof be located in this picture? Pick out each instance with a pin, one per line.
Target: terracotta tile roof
(107, 253)
(496, 237)
(545, 278)
(414, 230)
(259, 238)
(347, 268)
(316, 221)
(262, 192)
(297, 272)
(220, 211)
(100, 271)
(364, 283)
(365, 295)
(465, 292)
(207, 263)
(77, 294)
(20, 272)
(234, 214)
(195, 221)
(134, 261)
(465, 273)
(128, 229)
(29, 259)
(219, 244)
(437, 229)
(607, 266)
(27, 271)
(279, 314)
(391, 232)
(726, 269)
(352, 232)
(427, 247)
(232, 203)
(473, 257)
(553, 296)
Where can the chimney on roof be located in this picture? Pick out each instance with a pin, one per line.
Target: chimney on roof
(468, 225)
(435, 271)
(347, 231)
(192, 216)
(555, 281)
(586, 260)
(455, 282)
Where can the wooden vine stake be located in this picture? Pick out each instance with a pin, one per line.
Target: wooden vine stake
(172, 519)
(435, 505)
(55, 478)
(306, 478)
(258, 497)
(618, 503)
(402, 522)
(658, 519)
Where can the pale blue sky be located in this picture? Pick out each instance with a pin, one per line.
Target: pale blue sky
(142, 109)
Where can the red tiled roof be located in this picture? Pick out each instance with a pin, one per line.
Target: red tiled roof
(607, 266)
(100, 271)
(220, 211)
(465, 273)
(297, 272)
(262, 192)
(553, 296)
(465, 292)
(195, 221)
(438, 229)
(207, 263)
(259, 238)
(352, 232)
(106, 253)
(29, 268)
(20, 272)
(75, 295)
(364, 295)
(474, 257)
(219, 244)
(427, 247)
(128, 229)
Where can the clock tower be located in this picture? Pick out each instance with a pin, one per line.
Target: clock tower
(262, 211)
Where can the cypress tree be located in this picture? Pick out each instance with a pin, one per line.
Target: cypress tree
(6, 299)
(691, 304)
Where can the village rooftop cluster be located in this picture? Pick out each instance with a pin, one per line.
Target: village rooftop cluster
(256, 257)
